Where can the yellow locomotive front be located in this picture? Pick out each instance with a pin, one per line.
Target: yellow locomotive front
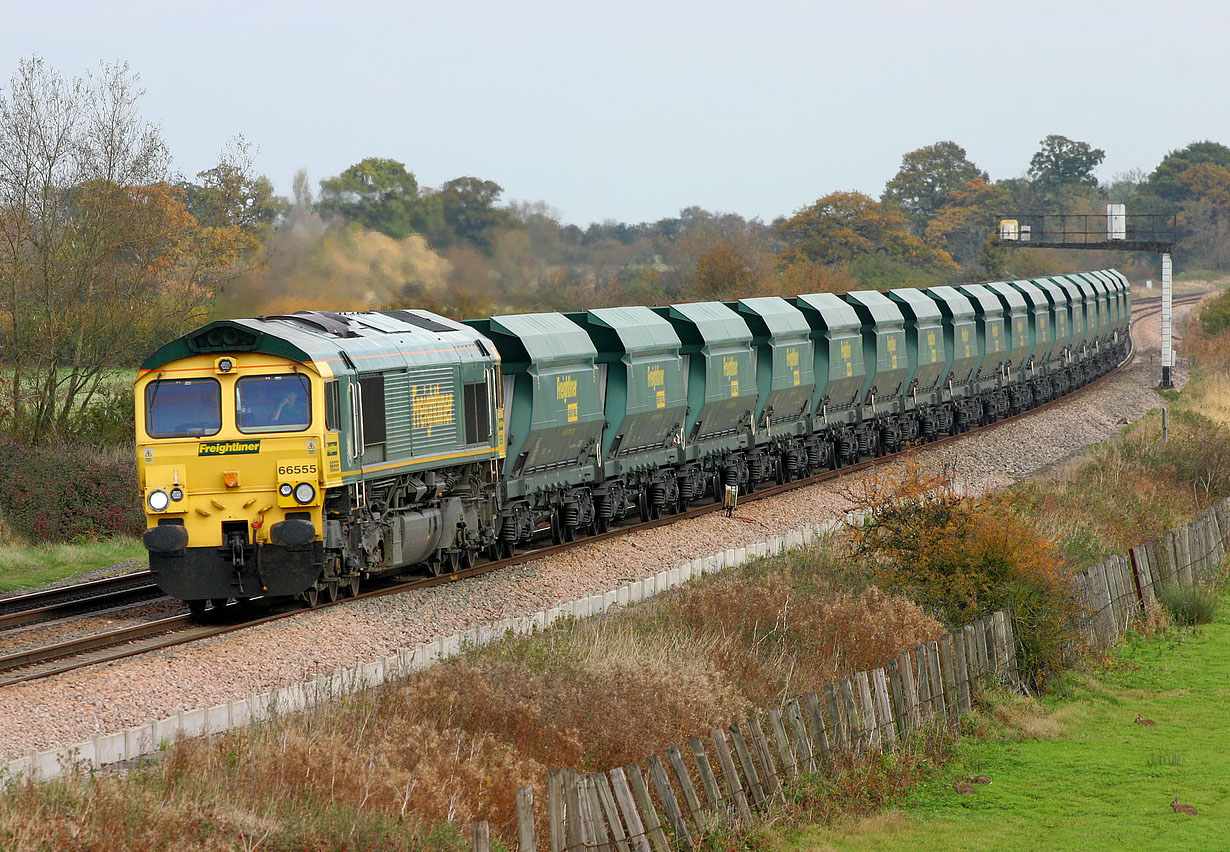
(234, 457)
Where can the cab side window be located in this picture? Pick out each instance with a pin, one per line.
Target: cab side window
(332, 406)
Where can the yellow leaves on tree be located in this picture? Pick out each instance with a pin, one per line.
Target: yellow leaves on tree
(844, 226)
(965, 558)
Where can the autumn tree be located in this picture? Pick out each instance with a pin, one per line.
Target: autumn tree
(97, 261)
(926, 179)
(845, 226)
(1062, 161)
(1204, 218)
(964, 225)
(1164, 180)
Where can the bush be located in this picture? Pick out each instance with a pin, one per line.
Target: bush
(1215, 315)
(1189, 607)
(965, 559)
(69, 492)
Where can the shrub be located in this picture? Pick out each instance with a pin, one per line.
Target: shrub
(966, 559)
(1189, 607)
(69, 492)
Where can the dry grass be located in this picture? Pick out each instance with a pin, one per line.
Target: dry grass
(393, 768)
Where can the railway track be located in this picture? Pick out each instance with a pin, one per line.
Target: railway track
(65, 601)
(129, 641)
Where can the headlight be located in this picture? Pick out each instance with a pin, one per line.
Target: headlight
(304, 493)
(285, 489)
(177, 494)
(158, 500)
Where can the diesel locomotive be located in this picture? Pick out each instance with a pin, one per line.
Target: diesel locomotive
(296, 455)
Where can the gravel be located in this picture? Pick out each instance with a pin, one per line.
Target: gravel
(113, 696)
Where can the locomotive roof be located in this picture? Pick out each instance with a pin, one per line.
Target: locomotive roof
(317, 336)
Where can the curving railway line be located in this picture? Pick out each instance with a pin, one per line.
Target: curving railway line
(43, 608)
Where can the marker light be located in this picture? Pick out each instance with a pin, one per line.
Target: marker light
(304, 493)
(158, 500)
(285, 489)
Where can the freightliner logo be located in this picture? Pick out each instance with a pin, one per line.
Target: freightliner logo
(228, 448)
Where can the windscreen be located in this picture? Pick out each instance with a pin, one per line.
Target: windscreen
(183, 408)
(272, 403)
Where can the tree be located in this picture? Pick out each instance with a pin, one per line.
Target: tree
(301, 192)
(844, 226)
(1061, 161)
(966, 222)
(1204, 219)
(927, 177)
(379, 194)
(1164, 183)
(468, 207)
(97, 259)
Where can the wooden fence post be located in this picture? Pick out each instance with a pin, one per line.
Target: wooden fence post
(938, 699)
(480, 837)
(606, 803)
(573, 825)
(949, 679)
(525, 820)
(666, 795)
(627, 803)
(555, 810)
(685, 781)
(960, 670)
(749, 767)
(912, 719)
(730, 774)
(789, 764)
(898, 699)
(773, 784)
(856, 726)
(592, 824)
(802, 742)
(649, 814)
(867, 711)
(707, 779)
(841, 733)
(819, 728)
(884, 708)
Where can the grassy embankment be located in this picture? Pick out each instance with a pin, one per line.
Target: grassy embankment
(391, 768)
(1073, 772)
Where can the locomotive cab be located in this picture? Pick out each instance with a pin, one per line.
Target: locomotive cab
(234, 455)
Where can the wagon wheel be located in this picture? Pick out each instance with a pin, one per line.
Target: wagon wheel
(197, 607)
(557, 533)
(453, 558)
(505, 550)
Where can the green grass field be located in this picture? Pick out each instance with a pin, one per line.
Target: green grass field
(32, 567)
(1087, 778)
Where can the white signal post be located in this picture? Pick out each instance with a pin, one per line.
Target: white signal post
(1167, 347)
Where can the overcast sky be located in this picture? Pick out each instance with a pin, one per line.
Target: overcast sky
(633, 110)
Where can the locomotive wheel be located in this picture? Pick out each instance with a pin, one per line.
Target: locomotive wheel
(351, 589)
(197, 607)
(333, 591)
(310, 596)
